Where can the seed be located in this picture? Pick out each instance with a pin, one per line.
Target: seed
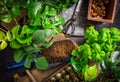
(63, 72)
(93, 6)
(76, 79)
(103, 8)
(94, 14)
(72, 74)
(98, 16)
(58, 76)
(101, 3)
(53, 79)
(67, 77)
(69, 68)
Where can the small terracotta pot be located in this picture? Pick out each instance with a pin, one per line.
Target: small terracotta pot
(110, 12)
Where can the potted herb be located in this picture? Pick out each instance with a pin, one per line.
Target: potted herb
(30, 33)
(99, 45)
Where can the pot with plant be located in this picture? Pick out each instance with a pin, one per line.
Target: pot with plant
(99, 46)
(31, 35)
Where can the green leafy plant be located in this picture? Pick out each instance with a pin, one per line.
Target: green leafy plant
(25, 49)
(80, 60)
(111, 65)
(40, 23)
(99, 45)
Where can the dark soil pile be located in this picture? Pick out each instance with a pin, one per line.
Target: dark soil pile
(59, 51)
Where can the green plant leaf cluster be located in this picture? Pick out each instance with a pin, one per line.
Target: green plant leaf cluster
(18, 37)
(8, 10)
(27, 50)
(38, 10)
(102, 42)
(99, 45)
(80, 61)
(40, 24)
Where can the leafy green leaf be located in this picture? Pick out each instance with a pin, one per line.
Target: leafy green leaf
(46, 44)
(67, 2)
(76, 64)
(36, 22)
(14, 44)
(105, 34)
(46, 10)
(90, 73)
(96, 47)
(74, 53)
(62, 21)
(15, 11)
(24, 40)
(34, 9)
(41, 63)
(6, 18)
(28, 61)
(2, 10)
(57, 30)
(115, 57)
(15, 31)
(52, 12)
(18, 55)
(9, 36)
(40, 36)
(2, 35)
(92, 34)
(47, 23)
(3, 44)
(32, 48)
(27, 30)
(57, 18)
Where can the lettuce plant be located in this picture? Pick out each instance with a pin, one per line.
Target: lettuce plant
(99, 46)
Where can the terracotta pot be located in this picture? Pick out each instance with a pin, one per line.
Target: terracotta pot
(110, 12)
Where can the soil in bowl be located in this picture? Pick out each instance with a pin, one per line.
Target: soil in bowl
(59, 51)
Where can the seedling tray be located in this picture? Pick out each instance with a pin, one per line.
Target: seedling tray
(65, 74)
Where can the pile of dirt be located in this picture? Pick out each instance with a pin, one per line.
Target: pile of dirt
(59, 51)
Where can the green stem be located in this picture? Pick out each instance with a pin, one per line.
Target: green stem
(16, 21)
(3, 30)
